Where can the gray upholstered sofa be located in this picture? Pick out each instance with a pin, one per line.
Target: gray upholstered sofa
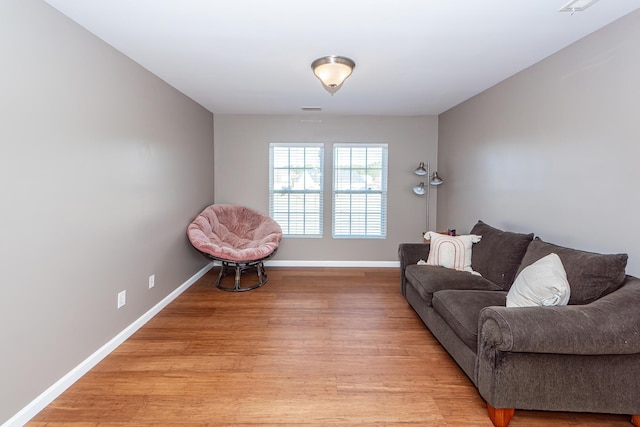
(582, 357)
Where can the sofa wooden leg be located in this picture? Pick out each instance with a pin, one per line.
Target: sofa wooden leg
(500, 417)
(635, 420)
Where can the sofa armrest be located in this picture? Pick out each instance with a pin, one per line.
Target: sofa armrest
(610, 325)
(410, 253)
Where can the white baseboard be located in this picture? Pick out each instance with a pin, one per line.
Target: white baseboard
(365, 264)
(40, 402)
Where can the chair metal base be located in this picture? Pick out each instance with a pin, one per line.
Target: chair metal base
(237, 268)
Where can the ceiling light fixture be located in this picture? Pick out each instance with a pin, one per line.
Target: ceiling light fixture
(577, 6)
(332, 71)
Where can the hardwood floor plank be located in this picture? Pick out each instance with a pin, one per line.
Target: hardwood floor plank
(314, 347)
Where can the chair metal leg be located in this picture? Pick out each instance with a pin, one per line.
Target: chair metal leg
(238, 273)
(220, 276)
(262, 274)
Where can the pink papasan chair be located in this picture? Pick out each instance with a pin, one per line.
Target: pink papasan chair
(239, 237)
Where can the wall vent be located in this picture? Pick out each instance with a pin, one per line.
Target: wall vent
(577, 6)
(311, 108)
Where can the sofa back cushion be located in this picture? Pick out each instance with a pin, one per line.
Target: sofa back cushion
(498, 254)
(590, 275)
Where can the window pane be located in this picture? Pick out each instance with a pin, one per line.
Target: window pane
(312, 203)
(313, 158)
(280, 157)
(281, 179)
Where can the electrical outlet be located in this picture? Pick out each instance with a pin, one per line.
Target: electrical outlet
(152, 281)
(122, 298)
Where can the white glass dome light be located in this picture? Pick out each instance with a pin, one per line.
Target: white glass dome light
(332, 71)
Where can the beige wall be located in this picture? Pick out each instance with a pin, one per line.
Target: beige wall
(555, 149)
(102, 166)
(242, 174)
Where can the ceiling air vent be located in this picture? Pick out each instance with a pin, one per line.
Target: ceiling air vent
(577, 6)
(316, 109)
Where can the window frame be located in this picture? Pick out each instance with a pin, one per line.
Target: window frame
(383, 192)
(278, 215)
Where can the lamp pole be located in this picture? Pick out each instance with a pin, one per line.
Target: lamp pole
(427, 195)
(422, 189)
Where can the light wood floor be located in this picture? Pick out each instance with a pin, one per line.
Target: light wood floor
(312, 347)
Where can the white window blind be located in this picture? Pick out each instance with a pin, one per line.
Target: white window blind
(295, 188)
(360, 190)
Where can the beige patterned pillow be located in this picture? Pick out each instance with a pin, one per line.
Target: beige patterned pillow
(451, 251)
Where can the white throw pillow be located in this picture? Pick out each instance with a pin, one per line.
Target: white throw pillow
(543, 283)
(451, 251)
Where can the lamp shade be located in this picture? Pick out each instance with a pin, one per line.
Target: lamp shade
(435, 179)
(332, 71)
(420, 170)
(420, 189)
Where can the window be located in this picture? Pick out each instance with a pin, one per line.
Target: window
(360, 190)
(295, 188)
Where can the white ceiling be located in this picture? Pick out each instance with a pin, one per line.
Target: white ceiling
(413, 57)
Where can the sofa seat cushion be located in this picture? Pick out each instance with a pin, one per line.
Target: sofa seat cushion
(428, 279)
(590, 275)
(498, 254)
(461, 310)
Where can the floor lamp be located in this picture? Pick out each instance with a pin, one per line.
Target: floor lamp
(422, 189)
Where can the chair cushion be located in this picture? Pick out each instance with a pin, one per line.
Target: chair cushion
(590, 275)
(234, 233)
(498, 254)
(461, 310)
(428, 279)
